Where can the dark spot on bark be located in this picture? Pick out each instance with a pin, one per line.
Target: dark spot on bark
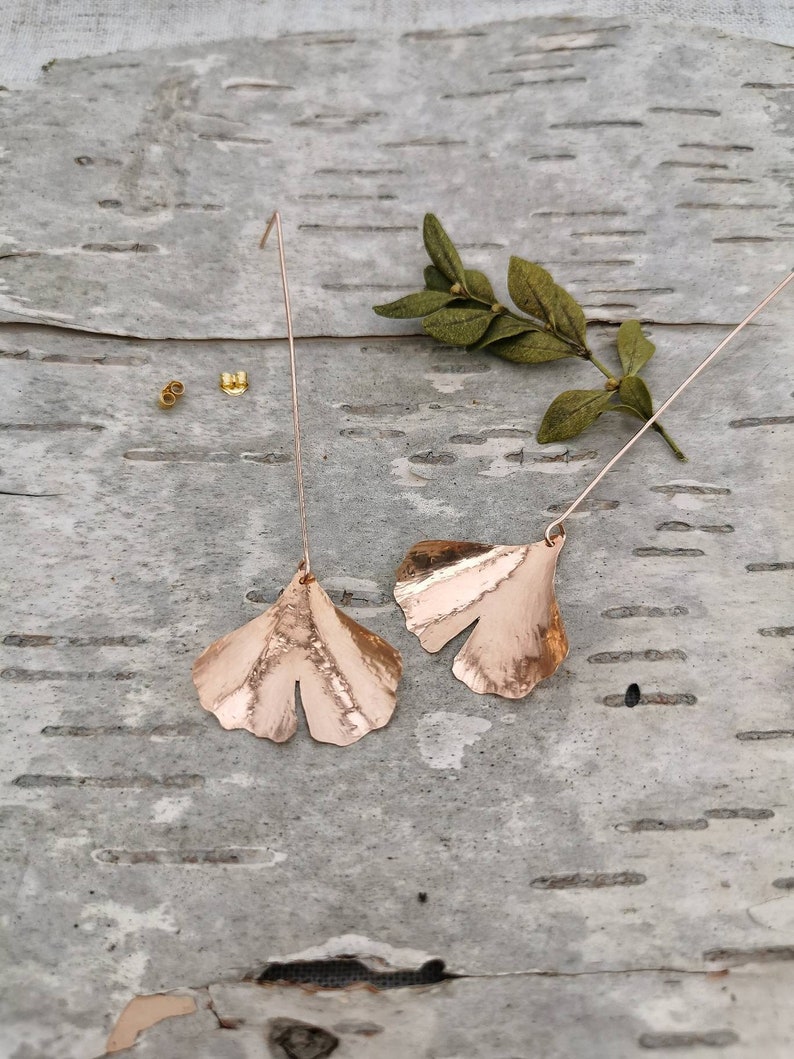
(739, 814)
(762, 954)
(641, 611)
(769, 733)
(290, 1039)
(711, 1039)
(444, 458)
(139, 782)
(587, 880)
(360, 1029)
(762, 421)
(654, 698)
(344, 971)
(693, 552)
(632, 696)
(651, 654)
(120, 248)
(654, 824)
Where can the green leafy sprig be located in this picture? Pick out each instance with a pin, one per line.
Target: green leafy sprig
(458, 307)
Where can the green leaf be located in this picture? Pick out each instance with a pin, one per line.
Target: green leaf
(505, 326)
(627, 409)
(460, 326)
(569, 318)
(537, 347)
(535, 292)
(571, 413)
(441, 250)
(633, 411)
(634, 393)
(531, 288)
(435, 280)
(634, 349)
(479, 286)
(419, 304)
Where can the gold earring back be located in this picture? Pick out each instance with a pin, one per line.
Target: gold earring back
(169, 393)
(234, 382)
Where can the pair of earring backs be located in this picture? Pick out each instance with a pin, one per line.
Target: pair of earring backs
(234, 383)
(347, 674)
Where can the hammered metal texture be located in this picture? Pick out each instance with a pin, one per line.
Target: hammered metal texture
(348, 675)
(519, 639)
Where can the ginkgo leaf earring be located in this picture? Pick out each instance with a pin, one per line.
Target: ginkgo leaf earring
(348, 676)
(519, 640)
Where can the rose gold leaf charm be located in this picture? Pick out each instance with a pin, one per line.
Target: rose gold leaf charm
(519, 639)
(348, 676)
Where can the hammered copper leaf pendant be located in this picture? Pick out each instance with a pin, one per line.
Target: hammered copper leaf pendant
(519, 638)
(348, 676)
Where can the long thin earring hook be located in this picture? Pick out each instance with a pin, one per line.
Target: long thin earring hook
(275, 220)
(557, 524)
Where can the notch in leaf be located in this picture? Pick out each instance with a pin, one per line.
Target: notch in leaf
(348, 676)
(443, 587)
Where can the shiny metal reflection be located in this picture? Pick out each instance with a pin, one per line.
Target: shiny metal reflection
(519, 638)
(348, 676)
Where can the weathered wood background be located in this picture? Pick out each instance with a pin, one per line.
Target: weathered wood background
(605, 880)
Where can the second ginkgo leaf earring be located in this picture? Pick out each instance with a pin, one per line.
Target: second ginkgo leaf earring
(519, 640)
(348, 676)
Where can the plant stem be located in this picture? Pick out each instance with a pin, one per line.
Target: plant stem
(601, 367)
(580, 351)
(660, 430)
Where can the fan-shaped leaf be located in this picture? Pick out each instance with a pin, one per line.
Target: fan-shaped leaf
(348, 676)
(519, 639)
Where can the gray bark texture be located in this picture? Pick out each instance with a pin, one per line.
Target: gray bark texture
(605, 881)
